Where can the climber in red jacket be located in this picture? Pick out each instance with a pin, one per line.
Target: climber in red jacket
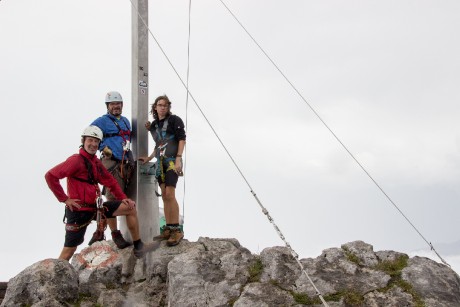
(84, 171)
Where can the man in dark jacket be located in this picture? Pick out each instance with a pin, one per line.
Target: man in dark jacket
(84, 172)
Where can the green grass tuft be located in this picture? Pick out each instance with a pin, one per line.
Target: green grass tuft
(351, 257)
(255, 270)
(304, 299)
(393, 268)
(353, 298)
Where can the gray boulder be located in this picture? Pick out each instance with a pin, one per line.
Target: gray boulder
(437, 284)
(220, 272)
(49, 282)
(264, 295)
(212, 276)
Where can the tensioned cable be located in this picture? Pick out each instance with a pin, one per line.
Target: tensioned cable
(332, 132)
(264, 210)
(186, 102)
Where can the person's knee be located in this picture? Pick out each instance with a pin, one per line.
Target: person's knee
(168, 198)
(128, 211)
(67, 253)
(168, 194)
(132, 212)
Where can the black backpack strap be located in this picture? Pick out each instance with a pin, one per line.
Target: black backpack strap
(110, 135)
(89, 168)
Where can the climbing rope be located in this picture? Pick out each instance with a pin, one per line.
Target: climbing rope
(332, 132)
(264, 210)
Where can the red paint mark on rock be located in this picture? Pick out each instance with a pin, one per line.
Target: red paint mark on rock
(97, 256)
(47, 263)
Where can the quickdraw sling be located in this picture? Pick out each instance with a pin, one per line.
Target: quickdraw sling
(126, 136)
(101, 220)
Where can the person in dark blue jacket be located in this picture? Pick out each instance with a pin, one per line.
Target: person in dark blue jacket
(115, 154)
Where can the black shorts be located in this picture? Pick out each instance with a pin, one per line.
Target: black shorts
(74, 238)
(171, 179)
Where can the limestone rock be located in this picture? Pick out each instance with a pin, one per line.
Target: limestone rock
(436, 282)
(113, 298)
(49, 282)
(334, 272)
(395, 297)
(281, 266)
(220, 272)
(264, 295)
(363, 251)
(209, 277)
(102, 265)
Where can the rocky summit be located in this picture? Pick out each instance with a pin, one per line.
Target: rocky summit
(220, 272)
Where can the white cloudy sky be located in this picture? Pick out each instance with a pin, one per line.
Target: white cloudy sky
(384, 75)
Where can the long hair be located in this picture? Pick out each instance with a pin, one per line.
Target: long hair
(154, 112)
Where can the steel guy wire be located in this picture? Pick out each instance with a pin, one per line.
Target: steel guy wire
(332, 132)
(186, 102)
(264, 210)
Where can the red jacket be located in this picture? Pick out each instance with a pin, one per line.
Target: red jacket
(75, 167)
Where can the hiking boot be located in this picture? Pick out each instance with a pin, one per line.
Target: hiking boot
(118, 239)
(175, 237)
(145, 248)
(97, 236)
(163, 236)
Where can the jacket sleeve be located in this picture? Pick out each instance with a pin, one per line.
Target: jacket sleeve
(179, 128)
(110, 182)
(60, 171)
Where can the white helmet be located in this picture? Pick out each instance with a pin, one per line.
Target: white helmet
(112, 97)
(93, 131)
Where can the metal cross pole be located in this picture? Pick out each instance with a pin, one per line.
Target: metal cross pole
(142, 184)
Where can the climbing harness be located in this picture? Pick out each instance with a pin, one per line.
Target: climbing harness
(165, 152)
(162, 138)
(125, 134)
(127, 154)
(75, 227)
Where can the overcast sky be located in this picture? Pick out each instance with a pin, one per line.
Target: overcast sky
(384, 75)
